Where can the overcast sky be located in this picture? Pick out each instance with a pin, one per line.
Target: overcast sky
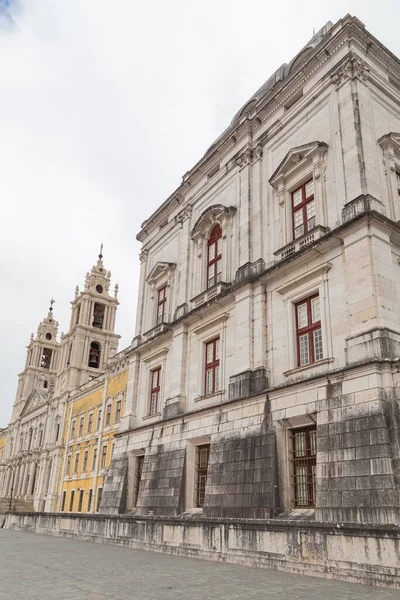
(103, 107)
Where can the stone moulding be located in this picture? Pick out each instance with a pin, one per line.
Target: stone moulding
(359, 553)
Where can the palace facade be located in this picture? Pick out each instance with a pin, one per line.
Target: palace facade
(262, 381)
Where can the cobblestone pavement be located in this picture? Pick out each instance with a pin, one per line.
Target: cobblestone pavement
(46, 568)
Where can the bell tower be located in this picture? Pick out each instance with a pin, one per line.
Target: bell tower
(42, 362)
(91, 339)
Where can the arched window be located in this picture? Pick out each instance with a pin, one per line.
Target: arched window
(45, 384)
(214, 257)
(94, 355)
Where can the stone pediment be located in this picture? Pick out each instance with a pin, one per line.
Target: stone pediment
(212, 215)
(390, 141)
(36, 399)
(295, 158)
(159, 269)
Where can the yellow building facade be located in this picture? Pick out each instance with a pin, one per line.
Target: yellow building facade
(3, 439)
(93, 418)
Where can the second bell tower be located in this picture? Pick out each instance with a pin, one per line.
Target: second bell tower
(91, 340)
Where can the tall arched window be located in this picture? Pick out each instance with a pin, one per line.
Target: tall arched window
(94, 355)
(214, 257)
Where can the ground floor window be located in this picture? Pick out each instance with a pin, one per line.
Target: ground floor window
(64, 498)
(303, 458)
(71, 501)
(80, 501)
(99, 495)
(202, 457)
(89, 502)
(138, 477)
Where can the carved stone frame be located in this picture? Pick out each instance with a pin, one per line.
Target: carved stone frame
(200, 233)
(299, 165)
(390, 144)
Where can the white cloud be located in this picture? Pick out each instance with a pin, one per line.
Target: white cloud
(103, 106)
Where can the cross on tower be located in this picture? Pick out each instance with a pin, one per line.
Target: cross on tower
(101, 251)
(51, 304)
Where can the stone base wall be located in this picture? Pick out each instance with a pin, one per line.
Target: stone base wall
(351, 552)
(357, 459)
(242, 479)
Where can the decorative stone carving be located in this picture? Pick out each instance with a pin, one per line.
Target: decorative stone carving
(353, 68)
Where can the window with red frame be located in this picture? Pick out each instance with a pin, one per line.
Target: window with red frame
(155, 391)
(214, 257)
(212, 383)
(162, 299)
(308, 330)
(303, 209)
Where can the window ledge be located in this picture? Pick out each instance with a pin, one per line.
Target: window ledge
(153, 416)
(318, 363)
(219, 395)
(295, 245)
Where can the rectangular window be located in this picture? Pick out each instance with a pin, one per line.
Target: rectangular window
(94, 459)
(155, 391)
(308, 331)
(103, 457)
(138, 478)
(214, 257)
(303, 209)
(68, 465)
(85, 461)
(398, 181)
(212, 372)
(118, 411)
(81, 421)
(71, 501)
(98, 315)
(99, 495)
(90, 423)
(108, 415)
(202, 457)
(89, 502)
(162, 299)
(46, 358)
(57, 432)
(303, 456)
(99, 420)
(76, 464)
(64, 498)
(80, 501)
(73, 429)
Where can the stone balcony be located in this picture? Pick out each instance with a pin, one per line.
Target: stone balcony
(209, 294)
(301, 242)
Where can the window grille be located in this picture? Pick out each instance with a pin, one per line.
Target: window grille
(138, 477)
(303, 456)
(202, 458)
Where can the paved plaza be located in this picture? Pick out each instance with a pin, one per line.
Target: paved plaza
(46, 568)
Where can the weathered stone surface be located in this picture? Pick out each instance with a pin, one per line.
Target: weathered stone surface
(357, 553)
